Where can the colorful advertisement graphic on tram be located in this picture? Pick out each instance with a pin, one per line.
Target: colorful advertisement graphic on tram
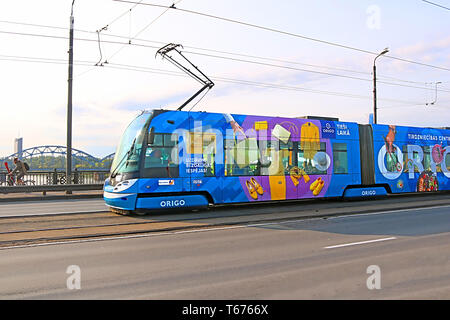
(238, 158)
(171, 159)
(412, 159)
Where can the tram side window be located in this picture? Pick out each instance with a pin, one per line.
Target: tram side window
(306, 160)
(161, 157)
(426, 157)
(287, 152)
(340, 159)
(447, 161)
(250, 157)
(209, 154)
(241, 157)
(406, 160)
(203, 146)
(276, 157)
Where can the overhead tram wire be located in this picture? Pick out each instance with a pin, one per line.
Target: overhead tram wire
(179, 74)
(227, 58)
(99, 63)
(41, 60)
(311, 71)
(286, 33)
(261, 84)
(121, 15)
(436, 4)
(190, 47)
(257, 84)
(226, 52)
(143, 29)
(271, 59)
(404, 106)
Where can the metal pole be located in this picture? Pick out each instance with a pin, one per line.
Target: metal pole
(386, 50)
(69, 106)
(374, 94)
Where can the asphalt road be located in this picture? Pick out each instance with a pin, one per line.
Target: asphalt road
(304, 259)
(45, 207)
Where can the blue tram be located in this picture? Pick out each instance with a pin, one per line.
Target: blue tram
(178, 159)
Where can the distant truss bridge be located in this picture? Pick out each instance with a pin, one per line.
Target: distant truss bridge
(34, 154)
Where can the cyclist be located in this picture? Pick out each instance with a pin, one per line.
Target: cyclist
(20, 169)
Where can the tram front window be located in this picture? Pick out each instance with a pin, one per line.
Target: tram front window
(126, 159)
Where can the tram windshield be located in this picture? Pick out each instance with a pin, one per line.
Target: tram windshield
(129, 150)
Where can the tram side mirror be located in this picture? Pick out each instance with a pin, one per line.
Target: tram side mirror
(151, 135)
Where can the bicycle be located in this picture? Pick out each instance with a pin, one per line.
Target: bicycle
(10, 181)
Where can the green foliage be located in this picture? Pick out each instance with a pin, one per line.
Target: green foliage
(59, 162)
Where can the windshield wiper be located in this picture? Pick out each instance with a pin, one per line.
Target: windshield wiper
(126, 157)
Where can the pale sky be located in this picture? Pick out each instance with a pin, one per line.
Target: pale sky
(34, 69)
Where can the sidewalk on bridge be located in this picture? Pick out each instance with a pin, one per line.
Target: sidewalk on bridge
(57, 195)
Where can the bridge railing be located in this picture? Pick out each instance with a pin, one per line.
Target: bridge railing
(58, 177)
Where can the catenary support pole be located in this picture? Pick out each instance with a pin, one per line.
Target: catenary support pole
(69, 105)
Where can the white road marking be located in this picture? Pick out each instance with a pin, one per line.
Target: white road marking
(354, 215)
(358, 243)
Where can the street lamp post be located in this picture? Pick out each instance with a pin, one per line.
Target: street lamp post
(69, 105)
(386, 50)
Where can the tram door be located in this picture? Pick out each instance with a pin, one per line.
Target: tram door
(204, 151)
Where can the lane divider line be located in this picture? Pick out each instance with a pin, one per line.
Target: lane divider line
(359, 243)
(354, 215)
